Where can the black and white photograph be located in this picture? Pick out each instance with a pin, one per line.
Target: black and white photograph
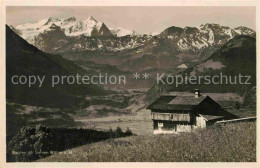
(119, 84)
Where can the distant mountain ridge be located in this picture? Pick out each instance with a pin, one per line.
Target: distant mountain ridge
(203, 36)
(188, 39)
(91, 40)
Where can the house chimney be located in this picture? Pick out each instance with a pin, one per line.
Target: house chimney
(196, 93)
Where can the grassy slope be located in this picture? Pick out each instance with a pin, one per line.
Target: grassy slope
(231, 143)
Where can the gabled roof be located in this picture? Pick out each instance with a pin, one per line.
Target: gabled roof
(234, 111)
(204, 106)
(176, 102)
(216, 114)
(187, 100)
(211, 117)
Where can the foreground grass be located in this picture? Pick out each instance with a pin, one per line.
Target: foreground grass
(230, 143)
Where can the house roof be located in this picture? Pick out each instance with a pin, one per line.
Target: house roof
(233, 111)
(187, 100)
(176, 102)
(211, 117)
(210, 110)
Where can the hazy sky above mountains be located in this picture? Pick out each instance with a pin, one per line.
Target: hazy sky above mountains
(140, 19)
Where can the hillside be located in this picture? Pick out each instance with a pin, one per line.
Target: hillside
(250, 99)
(230, 143)
(237, 56)
(25, 59)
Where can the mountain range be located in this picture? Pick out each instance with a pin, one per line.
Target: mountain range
(172, 50)
(237, 56)
(71, 29)
(184, 38)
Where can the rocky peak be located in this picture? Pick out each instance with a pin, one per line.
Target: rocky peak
(71, 19)
(101, 31)
(91, 18)
(172, 31)
(52, 20)
(91, 21)
(190, 30)
(210, 25)
(53, 26)
(242, 30)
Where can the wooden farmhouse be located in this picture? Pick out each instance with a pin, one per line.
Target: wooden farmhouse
(173, 114)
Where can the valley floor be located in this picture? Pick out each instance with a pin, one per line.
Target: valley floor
(139, 123)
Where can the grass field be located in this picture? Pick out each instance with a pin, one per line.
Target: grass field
(229, 143)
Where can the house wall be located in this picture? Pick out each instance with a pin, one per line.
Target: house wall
(168, 127)
(184, 128)
(200, 122)
(183, 121)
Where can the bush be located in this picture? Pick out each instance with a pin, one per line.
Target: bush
(37, 141)
(118, 132)
(128, 132)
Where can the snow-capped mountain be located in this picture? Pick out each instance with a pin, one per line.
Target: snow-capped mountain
(244, 30)
(70, 26)
(119, 32)
(88, 27)
(52, 36)
(216, 33)
(206, 35)
(154, 33)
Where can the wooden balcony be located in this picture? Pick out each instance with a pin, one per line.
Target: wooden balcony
(171, 116)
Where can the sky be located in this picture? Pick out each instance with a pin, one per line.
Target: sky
(140, 19)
